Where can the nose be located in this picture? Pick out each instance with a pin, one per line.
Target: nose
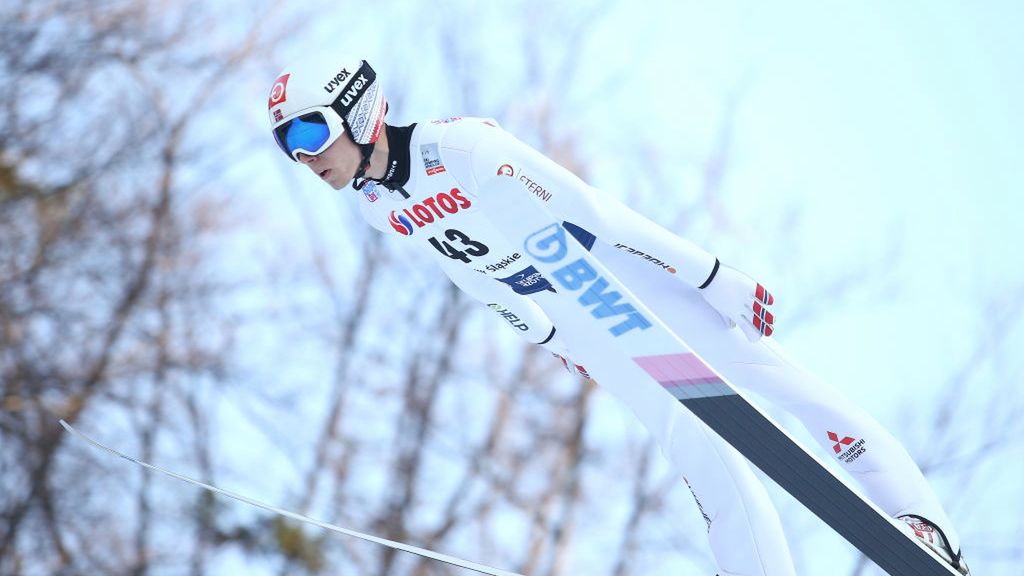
(305, 158)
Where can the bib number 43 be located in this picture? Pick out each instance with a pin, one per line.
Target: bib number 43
(468, 246)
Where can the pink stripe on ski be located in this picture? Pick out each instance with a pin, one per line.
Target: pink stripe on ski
(684, 375)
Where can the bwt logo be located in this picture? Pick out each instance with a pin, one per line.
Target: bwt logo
(549, 245)
(423, 213)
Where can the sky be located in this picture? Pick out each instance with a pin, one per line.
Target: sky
(875, 142)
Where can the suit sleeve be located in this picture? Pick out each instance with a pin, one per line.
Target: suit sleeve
(594, 214)
(519, 312)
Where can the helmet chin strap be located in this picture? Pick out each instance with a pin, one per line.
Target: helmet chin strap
(359, 179)
(396, 168)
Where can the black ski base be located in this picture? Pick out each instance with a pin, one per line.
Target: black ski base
(774, 453)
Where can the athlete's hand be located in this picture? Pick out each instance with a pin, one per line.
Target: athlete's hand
(572, 368)
(559, 350)
(741, 301)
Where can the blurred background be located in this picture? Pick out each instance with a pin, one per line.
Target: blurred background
(171, 284)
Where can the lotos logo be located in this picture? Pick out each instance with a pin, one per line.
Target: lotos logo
(401, 224)
(550, 245)
(278, 91)
(505, 170)
(336, 81)
(423, 213)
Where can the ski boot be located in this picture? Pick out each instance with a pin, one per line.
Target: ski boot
(933, 538)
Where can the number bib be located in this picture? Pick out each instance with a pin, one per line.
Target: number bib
(436, 209)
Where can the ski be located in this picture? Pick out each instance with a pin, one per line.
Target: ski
(480, 568)
(619, 334)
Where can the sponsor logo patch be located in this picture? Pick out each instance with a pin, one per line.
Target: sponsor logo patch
(511, 318)
(527, 281)
(535, 188)
(549, 245)
(656, 261)
(431, 159)
(847, 448)
(426, 212)
(530, 184)
(354, 91)
(278, 92)
(370, 191)
(503, 263)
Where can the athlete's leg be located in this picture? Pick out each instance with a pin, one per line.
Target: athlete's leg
(744, 531)
(875, 458)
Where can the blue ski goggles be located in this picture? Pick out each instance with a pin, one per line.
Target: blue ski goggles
(310, 131)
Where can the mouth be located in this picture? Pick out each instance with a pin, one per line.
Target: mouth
(324, 173)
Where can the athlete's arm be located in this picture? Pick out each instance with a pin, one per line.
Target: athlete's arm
(519, 312)
(738, 298)
(572, 200)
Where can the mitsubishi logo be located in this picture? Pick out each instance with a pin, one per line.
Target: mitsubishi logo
(846, 441)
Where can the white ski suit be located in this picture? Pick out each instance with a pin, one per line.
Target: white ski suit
(449, 158)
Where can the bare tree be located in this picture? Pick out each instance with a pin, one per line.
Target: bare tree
(123, 305)
(107, 292)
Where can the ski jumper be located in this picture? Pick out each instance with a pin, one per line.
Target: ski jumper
(428, 197)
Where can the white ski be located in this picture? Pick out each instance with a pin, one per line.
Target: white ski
(616, 334)
(295, 516)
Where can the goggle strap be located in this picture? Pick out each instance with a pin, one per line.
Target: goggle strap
(347, 99)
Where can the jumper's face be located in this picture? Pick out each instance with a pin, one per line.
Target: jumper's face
(337, 164)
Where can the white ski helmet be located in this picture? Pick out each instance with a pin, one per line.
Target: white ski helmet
(316, 100)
